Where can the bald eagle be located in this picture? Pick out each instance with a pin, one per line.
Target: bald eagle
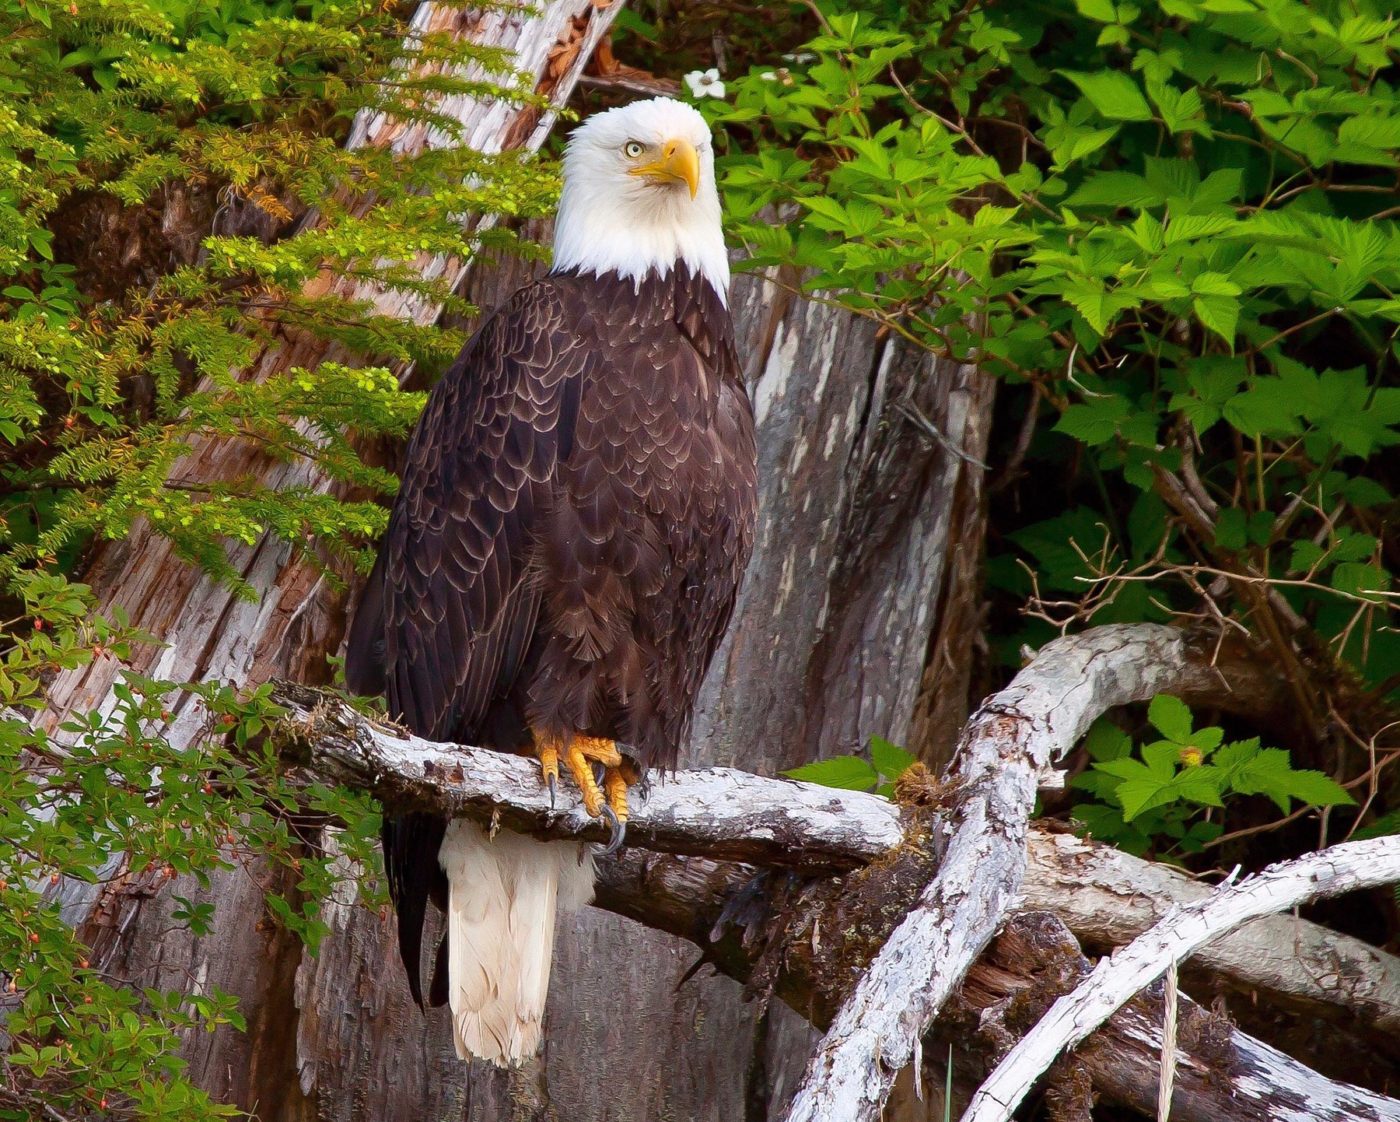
(577, 507)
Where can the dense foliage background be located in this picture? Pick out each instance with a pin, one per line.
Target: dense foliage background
(1167, 230)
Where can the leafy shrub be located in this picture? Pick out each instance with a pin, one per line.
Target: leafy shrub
(1155, 796)
(1186, 254)
(1168, 231)
(174, 194)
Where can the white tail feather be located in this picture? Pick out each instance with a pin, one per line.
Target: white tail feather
(501, 900)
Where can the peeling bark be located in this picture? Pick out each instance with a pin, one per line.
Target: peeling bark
(1104, 896)
(1108, 897)
(722, 813)
(814, 945)
(1342, 868)
(1009, 741)
(1223, 1074)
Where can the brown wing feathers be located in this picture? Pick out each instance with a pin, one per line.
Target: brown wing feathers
(576, 509)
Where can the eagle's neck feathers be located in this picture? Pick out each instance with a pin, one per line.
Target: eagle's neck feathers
(633, 233)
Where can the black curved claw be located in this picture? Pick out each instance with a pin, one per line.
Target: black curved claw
(552, 782)
(619, 831)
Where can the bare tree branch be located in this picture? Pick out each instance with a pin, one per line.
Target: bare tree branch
(1339, 869)
(1015, 734)
(1108, 897)
(721, 815)
(1223, 1075)
(719, 812)
(1105, 896)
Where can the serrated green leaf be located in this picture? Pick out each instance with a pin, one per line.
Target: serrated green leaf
(1106, 741)
(1094, 422)
(1114, 94)
(1221, 314)
(1265, 409)
(1114, 189)
(1127, 768)
(848, 773)
(1162, 758)
(1171, 717)
(1317, 789)
(890, 760)
(1139, 795)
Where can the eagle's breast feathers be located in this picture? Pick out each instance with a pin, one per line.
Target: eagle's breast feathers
(577, 507)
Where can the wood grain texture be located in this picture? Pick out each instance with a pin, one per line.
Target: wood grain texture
(1015, 734)
(1347, 867)
(721, 813)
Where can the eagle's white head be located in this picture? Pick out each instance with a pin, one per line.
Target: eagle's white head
(639, 195)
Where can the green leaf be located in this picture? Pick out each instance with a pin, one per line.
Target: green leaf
(849, 773)
(1265, 408)
(1114, 189)
(1094, 422)
(1112, 93)
(1139, 795)
(1220, 314)
(1100, 10)
(1097, 305)
(1162, 758)
(1171, 717)
(1317, 789)
(1231, 528)
(1106, 741)
(890, 760)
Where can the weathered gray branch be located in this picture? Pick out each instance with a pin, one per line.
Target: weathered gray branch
(1104, 896)
(727, 815)
(719, 812)
(1108, 897)
(1341, 868)
(1009, 741)
(1223, 1075)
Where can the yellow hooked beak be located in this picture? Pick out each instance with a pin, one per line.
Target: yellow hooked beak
(679, 163)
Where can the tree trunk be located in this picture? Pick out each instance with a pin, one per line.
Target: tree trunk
(869, 537)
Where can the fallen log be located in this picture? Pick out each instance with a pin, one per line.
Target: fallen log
(1224, 1075)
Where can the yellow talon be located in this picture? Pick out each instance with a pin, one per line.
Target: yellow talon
(579, 755)
(577, 760)
(547, 752)
(615, 785)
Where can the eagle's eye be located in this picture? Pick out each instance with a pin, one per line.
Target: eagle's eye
(633, 148)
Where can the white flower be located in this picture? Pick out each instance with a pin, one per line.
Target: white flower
(705, 83)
